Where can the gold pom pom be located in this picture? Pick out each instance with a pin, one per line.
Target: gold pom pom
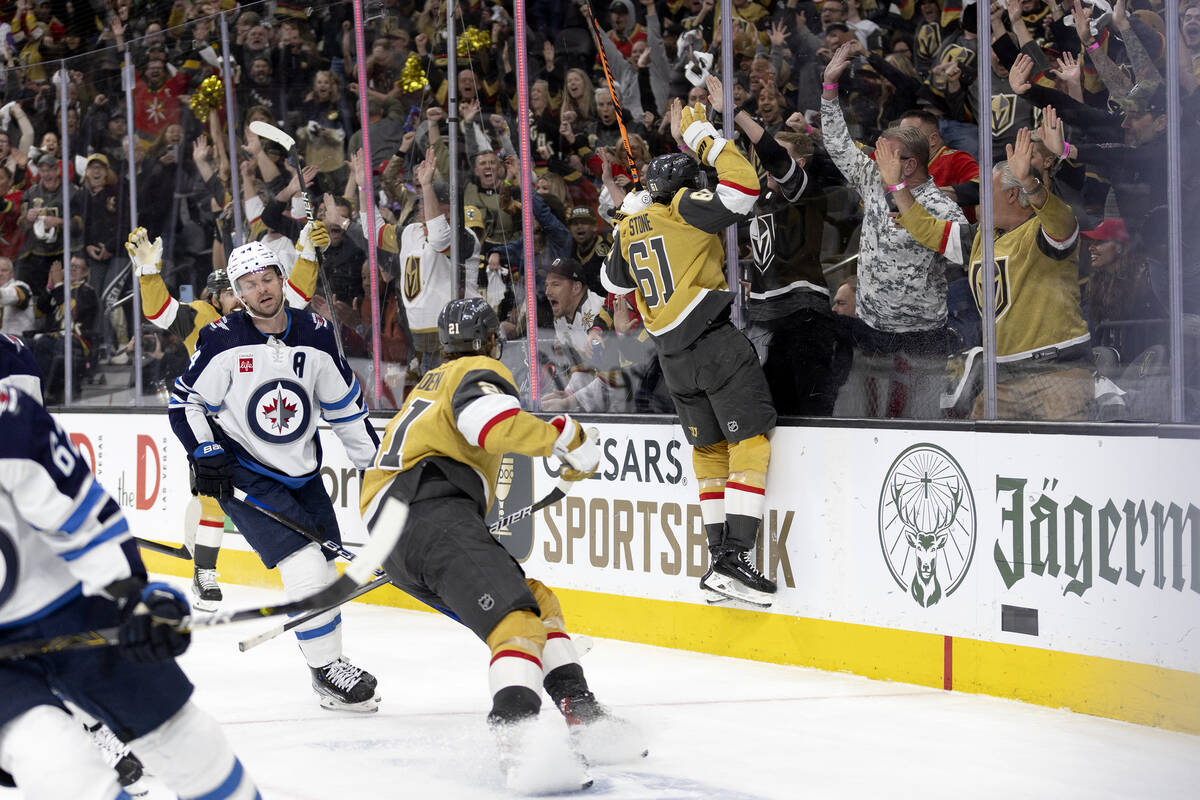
(412, 77)
(208, 97)
(473, 39)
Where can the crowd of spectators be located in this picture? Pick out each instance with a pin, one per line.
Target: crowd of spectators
(869, 315)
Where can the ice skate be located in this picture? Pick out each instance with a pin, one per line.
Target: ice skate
(532, 764)
(598, 735)
(734, 575)
(342, 686)
(206, 592)
(711, 596)
(128, 766)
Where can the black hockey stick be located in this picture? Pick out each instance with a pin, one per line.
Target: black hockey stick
(159, 547)
(559, 491)
(392, 515)
(265, 130)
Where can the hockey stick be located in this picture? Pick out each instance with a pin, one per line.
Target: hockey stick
(159, 547)
(265, 130)
(392, 518)
(560, 490)
(597, 34)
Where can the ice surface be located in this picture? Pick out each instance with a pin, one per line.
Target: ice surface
(716, 727)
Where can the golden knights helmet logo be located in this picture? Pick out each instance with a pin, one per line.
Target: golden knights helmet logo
(1000, 281)
(412, 278)
(927, 523)
(762, 240)
(1004, 112)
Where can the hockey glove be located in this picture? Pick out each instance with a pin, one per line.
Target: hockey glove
(313, 235)
(149, 629)
(699, 134)
(212, 471)
(577, 449)
(145, 254)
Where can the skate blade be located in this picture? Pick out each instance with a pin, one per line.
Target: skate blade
(207, 606)
(528, 781)
(713, 598)
(734, 590)
(365, 707)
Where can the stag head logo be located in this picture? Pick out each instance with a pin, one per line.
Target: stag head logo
(927, 523)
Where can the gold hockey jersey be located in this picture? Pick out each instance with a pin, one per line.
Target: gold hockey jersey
(465, 414)
(1037, 275)
(671, 256)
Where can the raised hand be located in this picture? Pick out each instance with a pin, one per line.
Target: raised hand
(838, 63)
(425, 170)
(779, 34)
(1069, 68)
(887, 156)
(1051, 131)
(1019, 72)
(676, 114)
(1019, 155)
(716, 93)
(1083, 22)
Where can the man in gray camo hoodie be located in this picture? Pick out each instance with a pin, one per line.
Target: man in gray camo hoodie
(900, 336)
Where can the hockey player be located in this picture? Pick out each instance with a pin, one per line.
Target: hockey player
(67, 564)
(441, 454)
(18, 367)
(185, 321)
(670, 256)
(246, 411)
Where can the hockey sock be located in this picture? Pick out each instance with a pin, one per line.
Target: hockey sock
(209, 530)
(745, 491)
(50, 756)
(205, 557)
(711, 465)
(190, 754)
(303, 573)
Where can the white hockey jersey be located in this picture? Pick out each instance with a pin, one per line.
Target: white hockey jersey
(60, 531)
(427, 282)
(261, 397)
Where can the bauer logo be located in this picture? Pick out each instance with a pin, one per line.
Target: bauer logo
(514, 491)
(927, 523)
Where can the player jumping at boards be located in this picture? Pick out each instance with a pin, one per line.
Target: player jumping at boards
(441, 454)
(246, 411)
(669, 255)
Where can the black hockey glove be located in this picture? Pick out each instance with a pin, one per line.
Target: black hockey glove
(212, 471)
(6, 780)
(149, 617)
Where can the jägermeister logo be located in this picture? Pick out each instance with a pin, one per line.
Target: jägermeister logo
(927, 523)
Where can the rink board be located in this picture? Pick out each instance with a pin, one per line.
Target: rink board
(1060, 569)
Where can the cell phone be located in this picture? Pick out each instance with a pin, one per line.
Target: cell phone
(186, 293)
(414, 116)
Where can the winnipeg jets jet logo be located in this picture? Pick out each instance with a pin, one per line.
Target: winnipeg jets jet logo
(762, 240)
(279, 411)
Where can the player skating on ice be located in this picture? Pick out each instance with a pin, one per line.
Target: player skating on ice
(667, 252)
(67, 565)
(246, 411)
(185, 320)
(441, 454)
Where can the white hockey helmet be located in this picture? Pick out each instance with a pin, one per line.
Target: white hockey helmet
(248, 258)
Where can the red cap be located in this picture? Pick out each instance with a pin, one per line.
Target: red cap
(1111, 230)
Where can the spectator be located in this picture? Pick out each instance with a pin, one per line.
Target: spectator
(845, 299)
(156, 98)
(42, 224)
(588, 247)
(16, 302)
(11, 235)
(1042, 342)
(1123, 311)
(102, 217)
(900, 332)
(581, 325)
(47, 343)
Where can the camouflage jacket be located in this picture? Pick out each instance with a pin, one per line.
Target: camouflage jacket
(901, 283)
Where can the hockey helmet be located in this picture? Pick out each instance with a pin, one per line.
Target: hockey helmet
(466, 325)
(667, 174)
(218, 281)
(248, 258)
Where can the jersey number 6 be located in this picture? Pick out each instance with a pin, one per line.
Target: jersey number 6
(652, 270)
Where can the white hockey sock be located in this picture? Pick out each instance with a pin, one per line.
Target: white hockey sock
(303, 573)
(190, 754)
(210, 532)
(51, 757)
(559, 651)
